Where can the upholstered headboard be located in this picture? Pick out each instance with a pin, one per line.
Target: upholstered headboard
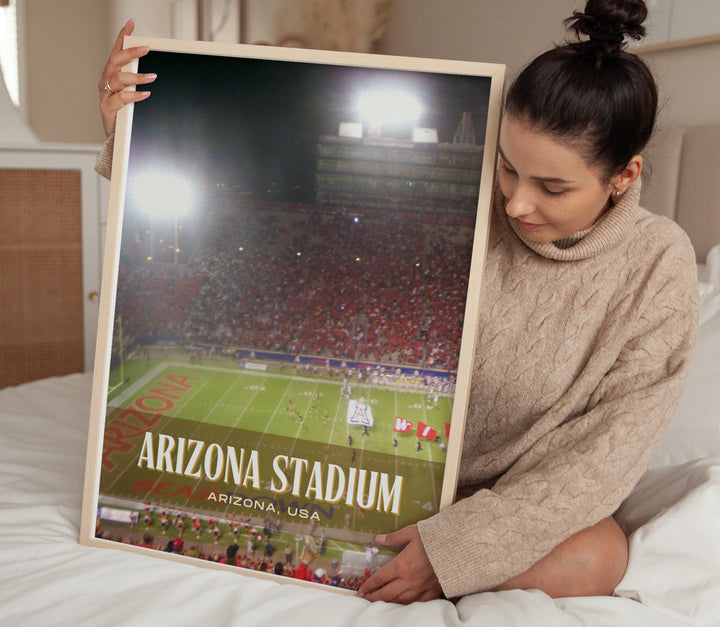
(683, 182)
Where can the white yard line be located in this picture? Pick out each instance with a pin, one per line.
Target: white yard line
(432, 468)
(121, 398)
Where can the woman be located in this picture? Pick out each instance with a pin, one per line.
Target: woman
(588, 320)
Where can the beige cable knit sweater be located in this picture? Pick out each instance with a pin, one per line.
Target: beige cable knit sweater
(583, 349)
(104, 162)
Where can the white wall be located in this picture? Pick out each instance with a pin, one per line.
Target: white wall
(68, 42)
(152, 17)
(66, 45)
(496, 31)
(688, 82)
(671, 20)
(65, 48)
(514, 31)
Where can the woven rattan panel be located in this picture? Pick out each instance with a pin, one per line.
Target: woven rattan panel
(41, 292)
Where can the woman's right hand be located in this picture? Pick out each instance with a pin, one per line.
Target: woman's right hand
(113, 81)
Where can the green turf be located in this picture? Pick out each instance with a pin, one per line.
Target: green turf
(217, 402)
(257, 401)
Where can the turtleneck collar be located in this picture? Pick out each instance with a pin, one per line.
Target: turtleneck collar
(605, 234)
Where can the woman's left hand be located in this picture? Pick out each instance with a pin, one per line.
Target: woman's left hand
(113, 81)
(408, 577)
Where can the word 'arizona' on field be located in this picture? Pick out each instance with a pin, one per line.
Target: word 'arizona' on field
(200, 460)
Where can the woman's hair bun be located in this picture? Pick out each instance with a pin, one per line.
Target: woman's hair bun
(592, 93)
(609, 22)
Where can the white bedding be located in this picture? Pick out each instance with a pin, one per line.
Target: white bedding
(47, 578)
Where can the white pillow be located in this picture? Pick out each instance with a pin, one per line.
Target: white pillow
(673, 516)
(709, 272)
(695, 429)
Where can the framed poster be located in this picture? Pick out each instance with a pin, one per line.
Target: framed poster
(292, 271)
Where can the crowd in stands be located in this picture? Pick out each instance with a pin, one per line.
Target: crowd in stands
(389, 289)
(152, 299)
(250, 547)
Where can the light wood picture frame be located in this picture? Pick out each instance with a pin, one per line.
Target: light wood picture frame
(290, 295)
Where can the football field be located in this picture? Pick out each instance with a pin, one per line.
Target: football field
(292, 413)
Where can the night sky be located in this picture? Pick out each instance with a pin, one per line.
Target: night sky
(252, 123)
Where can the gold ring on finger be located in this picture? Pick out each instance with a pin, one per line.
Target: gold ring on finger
(109, 89)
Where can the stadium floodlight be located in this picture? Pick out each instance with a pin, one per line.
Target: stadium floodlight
(164, 194)
(388, 107)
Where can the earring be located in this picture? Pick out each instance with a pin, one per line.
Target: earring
(618, 193)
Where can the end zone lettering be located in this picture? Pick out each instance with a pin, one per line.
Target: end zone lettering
(122, 433)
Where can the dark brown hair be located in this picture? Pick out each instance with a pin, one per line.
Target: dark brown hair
(592, 92)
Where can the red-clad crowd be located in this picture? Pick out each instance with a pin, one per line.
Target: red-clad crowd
(390, 288)
(282, 564)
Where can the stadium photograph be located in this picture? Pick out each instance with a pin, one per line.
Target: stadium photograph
(290, 293)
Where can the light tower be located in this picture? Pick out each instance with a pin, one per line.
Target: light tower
(465, 133)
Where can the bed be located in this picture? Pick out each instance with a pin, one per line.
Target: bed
(672, 517)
